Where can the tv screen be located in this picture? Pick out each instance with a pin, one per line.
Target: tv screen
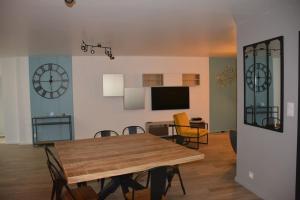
(169, 98)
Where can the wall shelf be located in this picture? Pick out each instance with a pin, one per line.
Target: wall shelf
(190, 79)
(150, 80)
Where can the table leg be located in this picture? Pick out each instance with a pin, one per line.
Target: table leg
(158, 182)
(110, 188)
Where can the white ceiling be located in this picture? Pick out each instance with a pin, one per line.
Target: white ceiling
(130, 27)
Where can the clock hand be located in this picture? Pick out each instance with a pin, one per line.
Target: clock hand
(53, 80)
(63, 80)
(50, 81)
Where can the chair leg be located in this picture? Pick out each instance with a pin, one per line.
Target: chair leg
(148, 179)
(207, 138)
(169, 178)
(58, 190)
(181, 182)
(167, 188)
(53, 191)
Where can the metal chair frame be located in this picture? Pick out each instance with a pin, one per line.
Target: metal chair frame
(51, 157)
(133, 130)
(59, 181)
(184, 140)
(171, 171)
(106, 133)
(157, 175)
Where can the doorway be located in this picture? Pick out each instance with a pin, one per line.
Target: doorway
(298, 141)
(2, 136)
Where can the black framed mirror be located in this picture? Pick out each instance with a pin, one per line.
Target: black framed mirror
(263, 84)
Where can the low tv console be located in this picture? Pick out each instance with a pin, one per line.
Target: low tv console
(160, 128)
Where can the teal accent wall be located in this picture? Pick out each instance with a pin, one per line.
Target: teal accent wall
(41, 106)
(223, 101)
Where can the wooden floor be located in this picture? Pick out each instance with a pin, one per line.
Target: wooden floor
(24, 175)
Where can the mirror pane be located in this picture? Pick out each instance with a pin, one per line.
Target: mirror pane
(263, 84)
(249, 86)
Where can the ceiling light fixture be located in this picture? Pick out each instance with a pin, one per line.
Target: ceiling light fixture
(107, 50)
(70, 3)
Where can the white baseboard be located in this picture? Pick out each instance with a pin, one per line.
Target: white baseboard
(20, 143)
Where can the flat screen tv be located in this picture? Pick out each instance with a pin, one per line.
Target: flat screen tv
(169, 98)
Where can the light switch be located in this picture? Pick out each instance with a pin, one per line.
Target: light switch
(290, 109)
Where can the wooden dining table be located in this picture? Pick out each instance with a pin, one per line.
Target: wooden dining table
(91, 159)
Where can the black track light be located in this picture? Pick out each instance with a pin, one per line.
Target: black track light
(107, 50)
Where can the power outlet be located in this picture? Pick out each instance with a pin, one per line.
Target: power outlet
(251, 175)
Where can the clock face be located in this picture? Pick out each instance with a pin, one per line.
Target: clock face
(258, 77)
(50, 81)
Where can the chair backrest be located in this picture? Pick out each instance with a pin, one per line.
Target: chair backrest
(59, 181)
(181, 119)
(133, 130)
(52, 158)
(105, 133)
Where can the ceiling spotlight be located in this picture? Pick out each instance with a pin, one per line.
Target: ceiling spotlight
(70, 3)
(107, 50)
(83, 47)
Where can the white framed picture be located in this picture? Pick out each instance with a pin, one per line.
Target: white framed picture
(134, 98)
(113, 85)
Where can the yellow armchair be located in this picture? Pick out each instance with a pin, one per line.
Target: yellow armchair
(188, 133)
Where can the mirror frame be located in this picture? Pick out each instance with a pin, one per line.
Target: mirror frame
(254, 45)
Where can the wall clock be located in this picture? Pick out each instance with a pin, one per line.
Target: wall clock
(50, 81)
(260, 80)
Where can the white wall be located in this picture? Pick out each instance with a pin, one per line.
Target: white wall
(93, 112)
(269, 154)
(1, 104)
(16, 101)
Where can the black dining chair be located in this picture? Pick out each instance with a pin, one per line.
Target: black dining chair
(62, 190)
(105, 133)
(129, 130)
(171, 172)
(157, 186)
(58, 180)
(133, 130)
(51, 158)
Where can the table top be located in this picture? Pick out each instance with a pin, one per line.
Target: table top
(91, 159)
